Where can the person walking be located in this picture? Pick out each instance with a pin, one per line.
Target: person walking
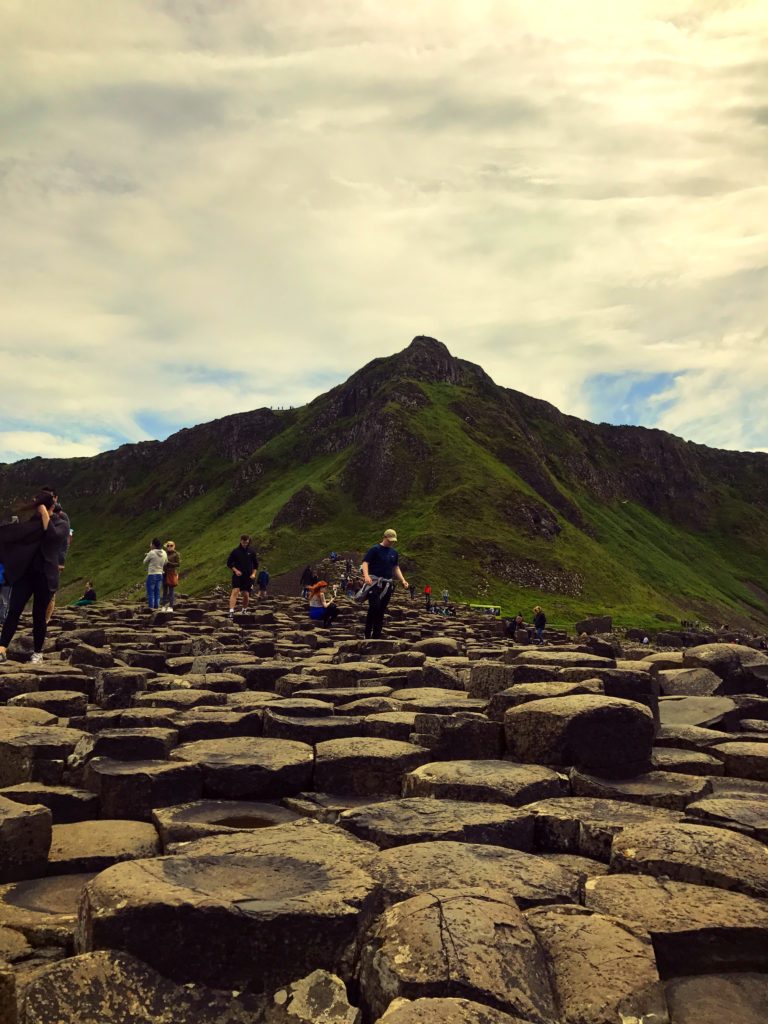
(445, 596)
(63, 546)
(30, 555)
(539, 622)
(380, 568)
(243, 563)
(170, 575)
(155, 560)
(428, 596)
(320, 608)
(262, 582)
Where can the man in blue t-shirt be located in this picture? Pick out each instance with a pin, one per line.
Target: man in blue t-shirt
(379, 570)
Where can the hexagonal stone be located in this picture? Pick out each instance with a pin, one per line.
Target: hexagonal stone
(248, 767)
(207, 723)
(586, 826)
(25, 837)
(65, 803)
(498, 782)
(394, 725)
(109, 986)
(342, 694)
(689, 682)
(44, 909)
(62, 703)
(604, 734)
(180, 700)
(694, 711)
(94, 845)
(253, 910)
(437, 701)
(693, 927)
(185, 822)
(310, 730)
(325, 807)
(364, 766)
(738, 813)
(745, 760)
(25, 752)
(420, 820)
(716, 998)
(693, 853)
(406, 871)
(124, 745)
(560, 659)
(475, 944)
(688, 762)
(603, 969)
(657, 789)
(522, 693)
(689, 737)
(132, 789)
(116, 687)
(444, 1011)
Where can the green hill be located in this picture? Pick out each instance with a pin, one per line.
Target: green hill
(494, 494)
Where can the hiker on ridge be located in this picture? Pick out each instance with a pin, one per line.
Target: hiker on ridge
(379, 567)
(30, 556)
(243, 563)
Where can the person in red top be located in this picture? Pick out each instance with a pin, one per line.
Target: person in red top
(428, 596)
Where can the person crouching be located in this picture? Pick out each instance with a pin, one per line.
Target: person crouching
(320, 608)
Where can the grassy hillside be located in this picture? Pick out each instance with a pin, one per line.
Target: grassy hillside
(495, 495)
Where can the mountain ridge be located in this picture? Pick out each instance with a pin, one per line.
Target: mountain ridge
(500, 492)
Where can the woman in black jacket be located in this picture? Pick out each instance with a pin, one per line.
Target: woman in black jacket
(30, 554)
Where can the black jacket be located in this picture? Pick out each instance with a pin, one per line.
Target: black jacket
(21, 542)
(243, 559)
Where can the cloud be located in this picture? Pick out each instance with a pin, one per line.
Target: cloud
(207, 207)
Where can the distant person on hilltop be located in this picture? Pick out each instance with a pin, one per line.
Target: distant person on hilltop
(380, 567)
(539, 622)
(155, 560)
(29, 552)
(243, 563)
(170, 575)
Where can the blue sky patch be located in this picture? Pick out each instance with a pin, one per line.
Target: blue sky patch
(622, 398)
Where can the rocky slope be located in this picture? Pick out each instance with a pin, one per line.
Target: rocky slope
(495, 494)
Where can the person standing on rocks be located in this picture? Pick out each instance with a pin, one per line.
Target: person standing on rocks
(30, 556)
(243, 563)
(379, 569)
(539, 622)
(170, 575)
(64, 546)
(427, 596)
(262, 582)
(155, 560)
(445, 596)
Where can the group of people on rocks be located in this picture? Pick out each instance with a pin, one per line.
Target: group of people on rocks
(162, 563)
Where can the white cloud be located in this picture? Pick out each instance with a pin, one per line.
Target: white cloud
(209, 207)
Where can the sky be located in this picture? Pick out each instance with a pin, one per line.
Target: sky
(208, 206)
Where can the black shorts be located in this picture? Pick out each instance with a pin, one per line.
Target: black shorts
(244, 583)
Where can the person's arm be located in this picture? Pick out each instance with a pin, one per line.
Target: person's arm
(255, 561)
(146, 557)
(366, 575)
(231, 564)
(399, 574)
(45, 516)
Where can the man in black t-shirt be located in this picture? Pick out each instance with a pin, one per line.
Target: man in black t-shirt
(379, 570)
(243, 563)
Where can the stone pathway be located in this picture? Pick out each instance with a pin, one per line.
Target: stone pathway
(259, 821)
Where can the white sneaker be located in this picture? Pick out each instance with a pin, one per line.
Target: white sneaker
(36, 658)
(231, 613)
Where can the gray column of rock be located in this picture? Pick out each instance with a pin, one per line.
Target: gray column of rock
(260, 821)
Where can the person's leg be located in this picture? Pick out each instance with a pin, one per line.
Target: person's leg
(149, 591)
(171, 596)
(233, 599)
(157, 580)
(51, 608)
(370, 618)
(164, 599)
(246, 595)
(41, 599)
(20, 594)
(379, 607)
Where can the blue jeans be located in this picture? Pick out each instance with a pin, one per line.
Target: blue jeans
(540, 634)
(154, 582)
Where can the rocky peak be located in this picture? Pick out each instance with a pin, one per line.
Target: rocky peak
(429, 359)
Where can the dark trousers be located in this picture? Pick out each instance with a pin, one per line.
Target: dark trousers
(331, 614)
(168, 593)
(34, 585)
(378, 599)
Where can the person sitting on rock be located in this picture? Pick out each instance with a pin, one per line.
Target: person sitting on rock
(320, 609)
(539, 622)
(89, 596)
